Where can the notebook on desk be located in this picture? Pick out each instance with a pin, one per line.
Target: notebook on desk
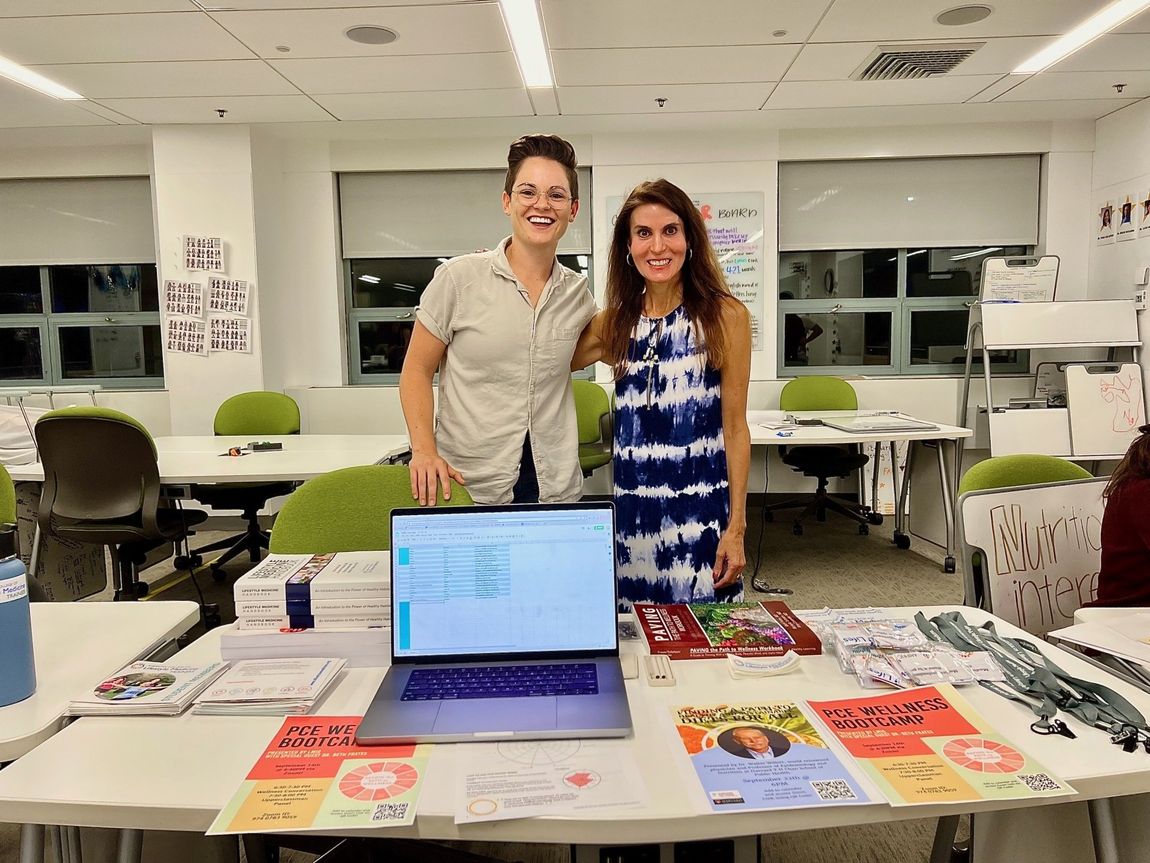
(503, 626)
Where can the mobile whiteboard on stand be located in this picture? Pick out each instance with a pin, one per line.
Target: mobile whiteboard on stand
(1019, 279)
(1106, 407)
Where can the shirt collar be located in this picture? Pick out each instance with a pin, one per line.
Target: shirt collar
(501, 266)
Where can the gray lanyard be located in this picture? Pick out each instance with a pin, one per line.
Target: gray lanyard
(1035, 681)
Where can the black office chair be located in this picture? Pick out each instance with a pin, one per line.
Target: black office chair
(102, 486)
(813, 393)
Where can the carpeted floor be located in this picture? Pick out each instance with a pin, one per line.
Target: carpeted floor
(830, 565)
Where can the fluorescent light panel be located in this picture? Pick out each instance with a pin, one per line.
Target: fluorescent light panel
(522, 17)
(19, 74)
(1085, 33)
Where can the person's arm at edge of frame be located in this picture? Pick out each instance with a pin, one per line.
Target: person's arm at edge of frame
(428, 470)
(589, 348)
(731, 558)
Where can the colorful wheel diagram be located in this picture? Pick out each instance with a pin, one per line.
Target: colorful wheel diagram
(378, 780)
(984, 756)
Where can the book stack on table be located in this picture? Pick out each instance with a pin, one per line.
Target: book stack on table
(269, 687)
(314, 605)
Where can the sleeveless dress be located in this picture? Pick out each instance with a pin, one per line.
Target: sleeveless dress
(670, 468)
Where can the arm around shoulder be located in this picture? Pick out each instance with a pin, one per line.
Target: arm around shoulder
(589, 348)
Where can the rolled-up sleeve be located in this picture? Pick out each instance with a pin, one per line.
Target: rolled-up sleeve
(437, 306)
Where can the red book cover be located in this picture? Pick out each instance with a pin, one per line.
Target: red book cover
(712, 630)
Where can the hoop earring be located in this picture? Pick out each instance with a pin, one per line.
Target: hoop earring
(690, 252)
(630, 263)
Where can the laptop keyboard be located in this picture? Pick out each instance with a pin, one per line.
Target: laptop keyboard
(501, 681)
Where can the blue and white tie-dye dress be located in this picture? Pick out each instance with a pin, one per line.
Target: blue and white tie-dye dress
(670, 468)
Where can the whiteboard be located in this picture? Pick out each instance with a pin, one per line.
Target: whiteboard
(1075, 323)
(1106, 407)
(1041, 549)
(1022, 280)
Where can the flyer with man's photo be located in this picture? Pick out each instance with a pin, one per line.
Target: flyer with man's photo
(764, 756)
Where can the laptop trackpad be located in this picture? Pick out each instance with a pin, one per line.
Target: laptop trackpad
(470, 715)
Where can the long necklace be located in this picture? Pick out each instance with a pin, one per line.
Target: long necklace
(651, 355)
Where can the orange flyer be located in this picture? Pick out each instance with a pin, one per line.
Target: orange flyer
(928, 745)
(314, 776)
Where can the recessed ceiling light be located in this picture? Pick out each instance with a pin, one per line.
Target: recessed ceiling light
(283, 49)
(19, 74)
(1085, 33)
(779, 34)
(960, 15)
(371, 35)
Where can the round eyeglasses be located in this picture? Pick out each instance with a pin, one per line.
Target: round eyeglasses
(557, 197)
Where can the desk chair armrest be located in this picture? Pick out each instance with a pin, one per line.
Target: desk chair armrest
(607, 429)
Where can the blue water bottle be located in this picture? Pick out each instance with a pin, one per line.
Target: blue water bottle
(18, 680)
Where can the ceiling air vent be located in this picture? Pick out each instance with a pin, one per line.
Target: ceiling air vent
(902, 62)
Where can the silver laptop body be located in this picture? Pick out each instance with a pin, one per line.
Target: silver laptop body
(503, 626)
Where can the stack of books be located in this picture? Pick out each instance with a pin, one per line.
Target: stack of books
(347, 590)
(364, 647)
(147, 689)
(269, 687)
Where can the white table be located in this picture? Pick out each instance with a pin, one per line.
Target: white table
(185, 769)
(186, 460)
(945, 436)
(77, 644)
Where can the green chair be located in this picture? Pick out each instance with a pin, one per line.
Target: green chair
(347, 510)
(596, 433)
(8, 538)
(102, 486)
(819, 393)
(246, 416)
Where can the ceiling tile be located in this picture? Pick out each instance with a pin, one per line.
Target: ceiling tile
(922, 115)
(441, 104)
(846, 94)
(117, 38)
(456, 28)
(241, 109)
(1080, 85)
(1114, 52)
(321, 4)
(837, 61)
(402, 74)
(181, 78)
(680, 98)
(33, 8)
(608, 66)
(856, 20)
(647, 23)
(1138, 24)
(20, 106)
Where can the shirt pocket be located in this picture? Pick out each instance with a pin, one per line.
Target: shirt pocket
(561, 347)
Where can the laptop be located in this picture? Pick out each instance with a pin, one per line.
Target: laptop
(503, 626)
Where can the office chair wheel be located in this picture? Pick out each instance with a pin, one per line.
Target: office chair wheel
(218, 575)
(210, 615)
(948, 565)
(901, 540)
(187, 561)
(864, 529)
(874, 517)
(140, 588)
(797, 529)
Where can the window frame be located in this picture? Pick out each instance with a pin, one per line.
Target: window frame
(901, 307)
(49, 324)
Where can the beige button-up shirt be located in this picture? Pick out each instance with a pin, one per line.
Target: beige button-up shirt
(506, 371)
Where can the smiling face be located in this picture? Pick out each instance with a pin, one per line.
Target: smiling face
(751, 738)
(658, 244)
(541, 222)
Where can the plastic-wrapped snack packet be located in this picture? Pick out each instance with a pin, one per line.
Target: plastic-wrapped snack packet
(926, 667)
(847, 641)
(981, 666)
(874, 671)
(896, 634)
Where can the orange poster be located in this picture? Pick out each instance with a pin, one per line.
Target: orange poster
(314, 776)
(928, 745)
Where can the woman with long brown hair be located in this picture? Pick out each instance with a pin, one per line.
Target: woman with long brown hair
(680, 346)
(1124, 578)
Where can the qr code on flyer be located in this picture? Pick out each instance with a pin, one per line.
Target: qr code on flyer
(1039, 782)
(390, 812)
(833, 789)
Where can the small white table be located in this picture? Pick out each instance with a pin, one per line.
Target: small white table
(945, 436)
(76, 645)
(185, 769)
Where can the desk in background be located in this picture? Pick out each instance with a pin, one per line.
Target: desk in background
(183, 770)
(944, 437)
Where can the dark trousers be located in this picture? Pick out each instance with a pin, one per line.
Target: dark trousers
(527, 486)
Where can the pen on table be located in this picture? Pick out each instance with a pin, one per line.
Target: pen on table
(784, 434)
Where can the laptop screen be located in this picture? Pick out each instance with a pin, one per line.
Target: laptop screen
(489, 580)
